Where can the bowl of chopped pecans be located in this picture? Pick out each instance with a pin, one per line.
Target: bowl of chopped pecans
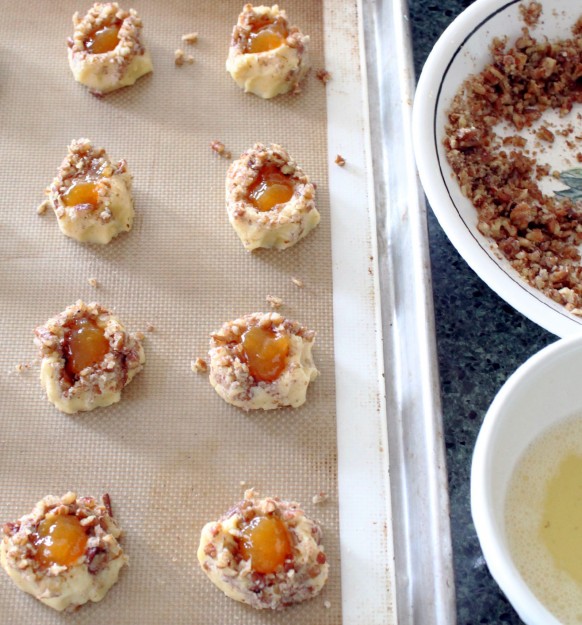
(497, 130)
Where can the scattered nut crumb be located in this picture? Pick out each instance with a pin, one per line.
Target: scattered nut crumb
(199, 365)
(545, 134)
(297, 282)
(93, 282)
(139, 335)
(243, 483)
(190, 38)
(42, 207)
(275, 302)
(323, 75)
(340, 160)
(219, 148)
(150, 328)
(180, 57)
(530, 13)
(327, 604)
(319, 498)
(21, 368)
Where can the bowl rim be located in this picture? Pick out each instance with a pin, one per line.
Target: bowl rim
(506, 283)
(499, 562)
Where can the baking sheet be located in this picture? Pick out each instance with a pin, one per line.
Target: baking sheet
(172, 455)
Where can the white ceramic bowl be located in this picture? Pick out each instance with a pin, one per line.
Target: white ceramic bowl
(538, 395)
(463, 49)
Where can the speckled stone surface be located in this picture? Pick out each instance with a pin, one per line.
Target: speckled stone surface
(481, 340)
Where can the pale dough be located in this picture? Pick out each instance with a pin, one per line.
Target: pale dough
(301, 578)
(62, 587)
(230, 376)
(283, 225)
(273, 72)
(114, 212)
(97, 386)
(114, 69)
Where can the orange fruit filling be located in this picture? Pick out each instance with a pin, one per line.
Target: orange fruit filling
(270, 188)
(81, 193)
(266, 36)
(103, 40)
(265, 353)
(85, 346)
(266, 542)
(61, 541)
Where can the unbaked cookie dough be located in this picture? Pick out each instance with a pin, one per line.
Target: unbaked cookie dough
(262, 361)
(106, 52)
(269, 199)
(65, 552)
(88, 357)
(265, 553)
(267, 57)
(91, 196)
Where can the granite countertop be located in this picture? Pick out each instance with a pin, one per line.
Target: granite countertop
(481, 340)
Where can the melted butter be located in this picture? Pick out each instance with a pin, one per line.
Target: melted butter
(561, 527)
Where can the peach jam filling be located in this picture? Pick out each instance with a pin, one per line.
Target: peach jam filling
(60, 540)
(270, 188)
(103, 40)
(81, 193)
(265, 37)
(85, 345)
(266, 542)
(265, 353)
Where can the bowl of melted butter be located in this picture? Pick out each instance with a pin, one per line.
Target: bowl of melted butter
(526, 486)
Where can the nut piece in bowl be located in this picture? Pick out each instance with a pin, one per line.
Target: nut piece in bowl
(262, 361)
(88, 358)
(496, 135)
(265, 553)
(91, 195)
(267, 57)
(65, 552)
(523, 488)
(106, 52)
(269, 199)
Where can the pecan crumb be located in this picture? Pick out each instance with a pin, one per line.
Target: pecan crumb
(107, 503)
(140, 336)
(199, 365)
(180, 57)
(530, 14)
(323, 75)
(22, 367)
(42, 207)
(150, 328)
(340, 160)
(243, 483)
(297, 282)
(93, 282)
(545, 134)
(220, 149)
(319, 498)
(327, 604)
(275, 302)
(190, 38)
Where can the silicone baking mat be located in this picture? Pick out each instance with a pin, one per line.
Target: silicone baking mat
(172, 455)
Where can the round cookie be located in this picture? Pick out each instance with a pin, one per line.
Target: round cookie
(91, 196)
(88, 357)
(267, 57)
(262, 361)
(105, 52)
(265, 553)
(65, 552)
(269, 199)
